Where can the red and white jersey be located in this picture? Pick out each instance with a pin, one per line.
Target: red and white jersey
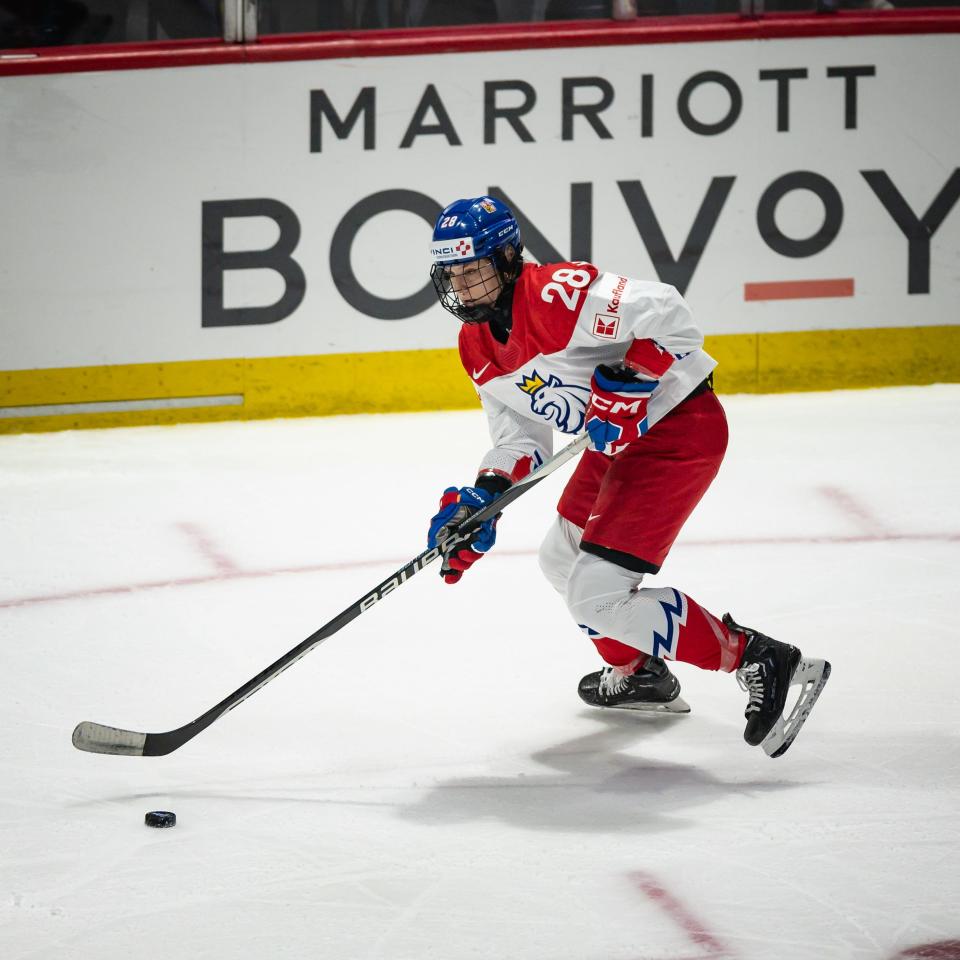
(567, 319)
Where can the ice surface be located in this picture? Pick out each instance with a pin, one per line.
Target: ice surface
(426, 784)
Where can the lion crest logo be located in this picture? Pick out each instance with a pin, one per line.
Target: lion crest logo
(564, 404)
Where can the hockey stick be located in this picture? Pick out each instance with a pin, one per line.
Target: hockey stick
(97, 738)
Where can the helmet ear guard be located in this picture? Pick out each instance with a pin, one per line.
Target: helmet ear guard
(509, 262)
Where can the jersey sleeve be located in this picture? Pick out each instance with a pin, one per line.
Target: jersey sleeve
(519, 445)
(651, 320)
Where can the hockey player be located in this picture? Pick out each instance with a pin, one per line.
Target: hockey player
(565, 347)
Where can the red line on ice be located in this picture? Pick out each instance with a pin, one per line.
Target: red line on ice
(225, 576)
(680, 915)
(869, 522)
(207, 547)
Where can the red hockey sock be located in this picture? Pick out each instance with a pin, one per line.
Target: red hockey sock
(667, 623)
(618, 654)
(706, 641)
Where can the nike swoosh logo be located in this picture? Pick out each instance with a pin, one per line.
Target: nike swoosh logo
(593, 516)
(477, 374)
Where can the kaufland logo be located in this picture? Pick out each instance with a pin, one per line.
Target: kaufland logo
(605, 325)
(444, 252)
(614, 305)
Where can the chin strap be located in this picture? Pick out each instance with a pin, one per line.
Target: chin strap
(501, 313)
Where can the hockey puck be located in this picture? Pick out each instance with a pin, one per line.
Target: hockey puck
(160, 818)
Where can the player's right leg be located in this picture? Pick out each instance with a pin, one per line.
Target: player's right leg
(630, 679)
(645, 686)
(665, 622)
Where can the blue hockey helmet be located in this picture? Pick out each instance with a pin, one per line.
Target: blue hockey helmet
(470, 230)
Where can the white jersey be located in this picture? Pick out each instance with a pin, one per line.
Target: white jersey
(567, 319)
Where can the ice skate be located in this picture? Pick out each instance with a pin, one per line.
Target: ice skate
(651, 688)
(768, 670)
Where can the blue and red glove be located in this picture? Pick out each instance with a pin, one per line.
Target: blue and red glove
(617, 411)
(456, 505)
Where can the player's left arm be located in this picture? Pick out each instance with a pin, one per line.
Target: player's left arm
(651, 320)
(655, 326)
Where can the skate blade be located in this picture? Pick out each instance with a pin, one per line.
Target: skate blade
(677, 705)
(812, 676)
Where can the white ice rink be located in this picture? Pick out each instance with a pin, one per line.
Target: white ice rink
(426, 784)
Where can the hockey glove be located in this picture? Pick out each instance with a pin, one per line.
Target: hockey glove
(617, 412)
(455, 506)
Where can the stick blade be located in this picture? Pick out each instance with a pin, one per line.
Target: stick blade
(97, 738)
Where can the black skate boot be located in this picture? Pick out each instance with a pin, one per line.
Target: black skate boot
(652, 688)
(766, 673)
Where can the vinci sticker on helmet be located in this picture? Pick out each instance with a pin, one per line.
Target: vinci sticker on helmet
(461, 249)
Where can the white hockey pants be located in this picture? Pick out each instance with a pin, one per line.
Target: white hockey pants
(603, 598)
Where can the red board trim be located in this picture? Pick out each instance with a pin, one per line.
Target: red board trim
(475, 39)
(798, 289)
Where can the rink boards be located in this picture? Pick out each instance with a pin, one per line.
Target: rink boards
(210, 390)
(248, 239)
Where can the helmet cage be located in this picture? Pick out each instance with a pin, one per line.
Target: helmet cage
(506, 272)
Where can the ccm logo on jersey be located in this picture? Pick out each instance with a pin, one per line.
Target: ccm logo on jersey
(606, 325)
(443, 252)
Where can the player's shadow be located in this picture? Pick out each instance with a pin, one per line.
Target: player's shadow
(596, 788)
